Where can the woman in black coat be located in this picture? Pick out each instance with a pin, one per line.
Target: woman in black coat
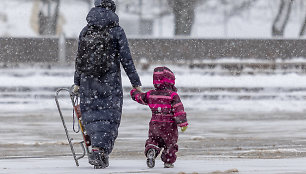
(101, 95)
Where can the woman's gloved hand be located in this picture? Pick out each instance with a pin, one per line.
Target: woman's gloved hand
(183, 129)
(138, 88)
(75, 89)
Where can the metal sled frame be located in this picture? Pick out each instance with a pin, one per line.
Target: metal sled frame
(70, 140)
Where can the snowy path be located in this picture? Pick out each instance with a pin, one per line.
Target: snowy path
(254, 123)
(218, 134)
(206, 165)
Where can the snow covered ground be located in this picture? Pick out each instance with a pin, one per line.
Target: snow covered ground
(207, 165)
(215, 142)
(249, 123)
(34, 88)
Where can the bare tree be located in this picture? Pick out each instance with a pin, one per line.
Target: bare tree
(282, 18)
(303, 29)
(48, 16)
(184, 15)
(231, 9)
(236, 8)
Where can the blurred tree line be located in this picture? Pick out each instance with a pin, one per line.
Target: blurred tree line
(48, 16)
(283, 15)
(184, 12)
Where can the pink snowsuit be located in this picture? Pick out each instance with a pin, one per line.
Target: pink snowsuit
(167, 112)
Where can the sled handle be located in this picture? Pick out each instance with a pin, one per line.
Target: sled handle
(65, 127)
(84, 151)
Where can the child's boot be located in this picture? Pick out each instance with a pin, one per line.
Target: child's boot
(151, 154)
(168, 165)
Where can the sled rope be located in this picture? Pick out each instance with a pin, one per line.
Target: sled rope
(76, 100)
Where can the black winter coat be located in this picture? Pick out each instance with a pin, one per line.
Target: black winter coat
(101, 97)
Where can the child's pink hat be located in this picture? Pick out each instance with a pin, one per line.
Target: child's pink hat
(164, 78)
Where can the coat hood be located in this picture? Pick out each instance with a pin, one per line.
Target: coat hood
(102, 17)
(164, 78)
(109, 4)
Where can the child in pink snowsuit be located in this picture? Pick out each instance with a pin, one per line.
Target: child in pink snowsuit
(167, 113)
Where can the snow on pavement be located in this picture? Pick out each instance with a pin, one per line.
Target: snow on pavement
(65, 165)
(224, 134)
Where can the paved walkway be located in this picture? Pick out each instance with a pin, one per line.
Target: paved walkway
(206, 165)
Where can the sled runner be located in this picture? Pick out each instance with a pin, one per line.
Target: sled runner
(85, 144)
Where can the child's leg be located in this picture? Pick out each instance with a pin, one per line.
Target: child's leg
(170, 147)
(152, 143)
(168, 155)
(152, 150)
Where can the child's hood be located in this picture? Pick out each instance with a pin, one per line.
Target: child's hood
(164, 78)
